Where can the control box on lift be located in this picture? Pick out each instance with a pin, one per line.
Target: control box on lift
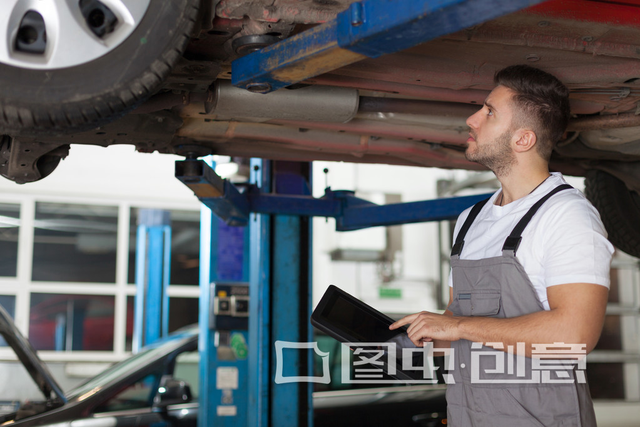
(230, 307)
(229, 322)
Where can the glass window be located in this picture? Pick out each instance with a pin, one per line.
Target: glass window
(614, 293)
(71, 322)
(9, 230)
(8, 302)
(606, 380)
(182, 312)
(611, 337)
(128, 343)
(186, 369)
(185, 247)
(135, 396)
(75, 243)
(141, 393)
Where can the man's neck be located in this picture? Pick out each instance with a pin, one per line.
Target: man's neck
(518, 184)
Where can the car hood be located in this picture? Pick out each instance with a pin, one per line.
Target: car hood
(27, 355)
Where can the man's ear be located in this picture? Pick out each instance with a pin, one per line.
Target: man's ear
(525, 140)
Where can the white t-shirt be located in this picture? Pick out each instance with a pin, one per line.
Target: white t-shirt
(565, 241)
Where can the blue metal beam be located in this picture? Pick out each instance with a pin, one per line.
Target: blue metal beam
(223, 255)
(370, 28)
(209, 187)
(286, 315)
(153, 260)
(208, 398)
(154, 287)
(293, 205)
(364, 216)
(290, 291)
(260, 304)
(351, 213)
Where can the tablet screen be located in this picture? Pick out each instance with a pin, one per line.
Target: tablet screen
(356, 321)
(350, 320)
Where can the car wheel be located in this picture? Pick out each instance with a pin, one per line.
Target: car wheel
(70, 65)
(619, 208)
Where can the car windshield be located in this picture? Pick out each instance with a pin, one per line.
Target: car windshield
(144, 357)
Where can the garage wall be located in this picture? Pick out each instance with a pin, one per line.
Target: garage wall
(410, 281)
(73, 248)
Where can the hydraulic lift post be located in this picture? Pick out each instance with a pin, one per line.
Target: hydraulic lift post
(153, 262)
(223, 323)
(260, 304)
(280, 300)
(275, 206)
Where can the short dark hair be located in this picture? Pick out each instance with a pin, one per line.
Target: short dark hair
(542, 103)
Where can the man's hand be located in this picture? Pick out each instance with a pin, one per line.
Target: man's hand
(576, 317)
(426, 326)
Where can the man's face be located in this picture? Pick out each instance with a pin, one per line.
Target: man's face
(490, 133)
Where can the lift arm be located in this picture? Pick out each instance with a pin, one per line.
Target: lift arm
(233, 205)
(369, 28)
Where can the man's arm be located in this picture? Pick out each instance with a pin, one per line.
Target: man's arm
(437, 343)
(576, 317)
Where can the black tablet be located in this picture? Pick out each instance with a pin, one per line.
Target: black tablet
(350, 320)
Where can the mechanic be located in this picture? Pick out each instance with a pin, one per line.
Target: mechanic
(529, 270)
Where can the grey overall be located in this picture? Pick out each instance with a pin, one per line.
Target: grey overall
(486, 393)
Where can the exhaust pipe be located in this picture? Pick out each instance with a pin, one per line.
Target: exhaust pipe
(309, 103)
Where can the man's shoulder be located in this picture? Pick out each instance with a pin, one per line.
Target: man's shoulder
(568, 211)
(571, 200)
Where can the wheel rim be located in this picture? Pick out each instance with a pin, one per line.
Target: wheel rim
(51, 34)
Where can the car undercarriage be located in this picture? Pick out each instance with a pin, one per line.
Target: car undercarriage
(159, 76)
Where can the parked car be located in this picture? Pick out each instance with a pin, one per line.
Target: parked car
(155, 74)
(159, 386)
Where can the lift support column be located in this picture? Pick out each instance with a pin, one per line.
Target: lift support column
(276, 206)
(280, 305)
(223, 332)
(153, 261)
(239, 390)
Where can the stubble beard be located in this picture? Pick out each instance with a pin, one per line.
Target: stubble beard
(496, 156)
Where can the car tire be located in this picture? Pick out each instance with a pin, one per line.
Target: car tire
(85, 96)
(619, 209)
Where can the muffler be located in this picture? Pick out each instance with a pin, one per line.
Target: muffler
(308, 103)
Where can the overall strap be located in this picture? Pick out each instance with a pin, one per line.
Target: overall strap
(457, 247)
(513, 241)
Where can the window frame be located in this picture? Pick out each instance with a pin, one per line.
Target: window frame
(22, 286)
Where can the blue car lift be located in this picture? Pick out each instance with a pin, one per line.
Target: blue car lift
(370, 28)
(279, 305)
(224, 262)
(234, 204)
(153, 261)
(276, 206)
(279, 249)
